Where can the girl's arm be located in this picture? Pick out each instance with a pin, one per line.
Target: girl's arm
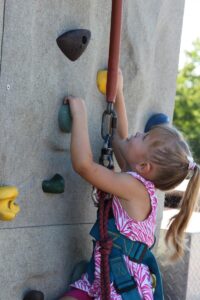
(120, 184)
(122, 122)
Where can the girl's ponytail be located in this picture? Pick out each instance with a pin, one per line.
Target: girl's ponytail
(179, 222)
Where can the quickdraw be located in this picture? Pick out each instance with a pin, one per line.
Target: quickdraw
(109, 120)
(104, 200)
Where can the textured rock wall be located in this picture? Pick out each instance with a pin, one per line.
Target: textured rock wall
(50, 234)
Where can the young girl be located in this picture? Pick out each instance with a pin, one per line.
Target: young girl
(158, 159)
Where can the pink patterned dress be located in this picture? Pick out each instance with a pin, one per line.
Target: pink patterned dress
(142, 231)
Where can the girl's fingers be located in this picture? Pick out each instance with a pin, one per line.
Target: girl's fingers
(75, 103)
(66, 100)
(71, 98)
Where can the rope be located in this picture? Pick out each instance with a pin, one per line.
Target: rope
(105, 246)
(114, 50)
(105, 204)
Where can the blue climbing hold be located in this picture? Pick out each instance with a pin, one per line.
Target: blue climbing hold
(156, 119)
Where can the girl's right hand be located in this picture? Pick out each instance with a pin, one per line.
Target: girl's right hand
(119, 83)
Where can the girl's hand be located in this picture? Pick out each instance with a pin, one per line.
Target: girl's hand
(119, 83)
(77, 105)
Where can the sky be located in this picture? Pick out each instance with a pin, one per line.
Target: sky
(191, 27)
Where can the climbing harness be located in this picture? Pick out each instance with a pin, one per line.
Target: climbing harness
(138, 252)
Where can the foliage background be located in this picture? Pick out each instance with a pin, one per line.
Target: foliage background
(187, 104)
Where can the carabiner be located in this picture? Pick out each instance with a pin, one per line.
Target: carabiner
(109, 118)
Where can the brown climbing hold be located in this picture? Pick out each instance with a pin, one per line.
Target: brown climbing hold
(74, 42)
(34, 295)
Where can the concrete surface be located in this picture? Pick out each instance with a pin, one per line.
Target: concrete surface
(1, 28)
(35, 76)
(40, 258)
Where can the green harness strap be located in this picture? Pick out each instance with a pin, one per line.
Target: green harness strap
(138, 252)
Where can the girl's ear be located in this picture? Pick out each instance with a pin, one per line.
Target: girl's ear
(143, 168)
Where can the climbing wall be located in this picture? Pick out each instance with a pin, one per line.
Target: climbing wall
(50, 234)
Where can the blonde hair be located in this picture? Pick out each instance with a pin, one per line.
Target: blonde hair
(169, 152)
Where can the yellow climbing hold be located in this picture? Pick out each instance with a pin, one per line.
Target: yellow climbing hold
(102, 81)
(8, 208)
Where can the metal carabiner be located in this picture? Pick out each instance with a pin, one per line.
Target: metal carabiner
(109, 118)
(106, 158)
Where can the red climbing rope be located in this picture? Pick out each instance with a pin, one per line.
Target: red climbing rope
(105, 203)
(114, 50)
(105, 247)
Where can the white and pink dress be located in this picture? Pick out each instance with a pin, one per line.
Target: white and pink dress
(142, 231)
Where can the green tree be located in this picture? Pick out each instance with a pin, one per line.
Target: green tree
(187, 104)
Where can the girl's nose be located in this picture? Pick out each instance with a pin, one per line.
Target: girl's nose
(138, 134)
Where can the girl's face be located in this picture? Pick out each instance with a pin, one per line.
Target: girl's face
(135, 148)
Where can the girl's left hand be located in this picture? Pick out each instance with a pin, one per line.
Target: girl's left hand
(77, 105)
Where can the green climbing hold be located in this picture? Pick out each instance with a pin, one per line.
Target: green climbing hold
(65, 119)
(55, 185)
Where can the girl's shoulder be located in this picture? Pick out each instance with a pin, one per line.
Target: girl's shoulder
(147, 183)
(149, 187)
(142, 210)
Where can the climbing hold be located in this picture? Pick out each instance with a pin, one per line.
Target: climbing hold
(102, 81)
(156, 119)
(34, 295)
(65, 119)
(8, 208)
(74, 42)
(55, 185)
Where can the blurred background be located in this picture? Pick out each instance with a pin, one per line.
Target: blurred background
(187, 105)
(185, 274)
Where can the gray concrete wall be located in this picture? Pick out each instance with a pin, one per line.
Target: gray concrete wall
(50, 233)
